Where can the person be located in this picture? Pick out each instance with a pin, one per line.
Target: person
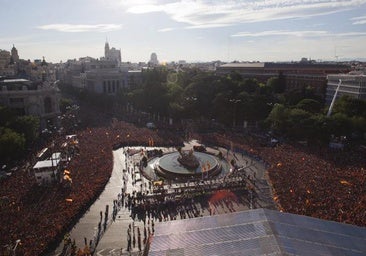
(134, 240)
(145, 234)
(129, 239)
(139, 238)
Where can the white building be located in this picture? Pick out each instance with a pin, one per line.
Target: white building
(110, 81)
(353, 84)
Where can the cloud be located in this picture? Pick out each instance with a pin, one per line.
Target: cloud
(208, 13)
(281, 33)
(208, 26)
(73, 28)
(165, 29)
(351, 34)
(315, 33)
(359, 20)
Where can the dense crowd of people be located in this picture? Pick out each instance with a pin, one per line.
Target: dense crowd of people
(309, 180)
(39, 216)
(314, 182)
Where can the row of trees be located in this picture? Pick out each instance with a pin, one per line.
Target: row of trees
(194, 94)
(307, 120)
(231, 100)
(16, 134)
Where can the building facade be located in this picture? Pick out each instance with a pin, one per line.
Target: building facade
(6, 69)
(296, 75)
(111, 81)
(29, 98)
(352, 84)
(106, 75)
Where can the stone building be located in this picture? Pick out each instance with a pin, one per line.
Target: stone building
(29, 98)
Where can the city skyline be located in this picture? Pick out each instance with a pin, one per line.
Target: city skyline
(186, 30)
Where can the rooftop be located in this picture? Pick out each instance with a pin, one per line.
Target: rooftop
(257, 232)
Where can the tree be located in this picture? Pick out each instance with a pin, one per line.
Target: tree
(359, 126)
(350, 106)
(276, 84)
(299, 123)
(11, 144)
(5, 115)
(249, 85)
(309, 105)
(278, 118)
(28, 126)
(340, 125)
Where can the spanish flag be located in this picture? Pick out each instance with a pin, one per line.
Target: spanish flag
(344, 182)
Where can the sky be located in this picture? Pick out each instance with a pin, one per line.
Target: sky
(201, 30)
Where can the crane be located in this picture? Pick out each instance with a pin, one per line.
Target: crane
(334, 98)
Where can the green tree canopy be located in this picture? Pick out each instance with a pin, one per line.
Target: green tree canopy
(276, 84)
(28, 126)
(309, 105)
(278, 118)
(350, 106)
(11, 144)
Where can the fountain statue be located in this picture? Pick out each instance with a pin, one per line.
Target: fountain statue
(188, 159)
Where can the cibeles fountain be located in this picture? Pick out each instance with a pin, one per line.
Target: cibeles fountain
(187, 164)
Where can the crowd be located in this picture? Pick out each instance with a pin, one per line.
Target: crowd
(39, 216)
(180, 202)
(312, 181)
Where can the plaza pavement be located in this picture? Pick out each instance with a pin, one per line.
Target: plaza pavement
(114, 240)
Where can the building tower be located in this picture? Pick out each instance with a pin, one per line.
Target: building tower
(153, 60)
(106, 50)
(112, 53)
(14, 54)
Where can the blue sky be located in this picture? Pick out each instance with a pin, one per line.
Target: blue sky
(201, 30)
